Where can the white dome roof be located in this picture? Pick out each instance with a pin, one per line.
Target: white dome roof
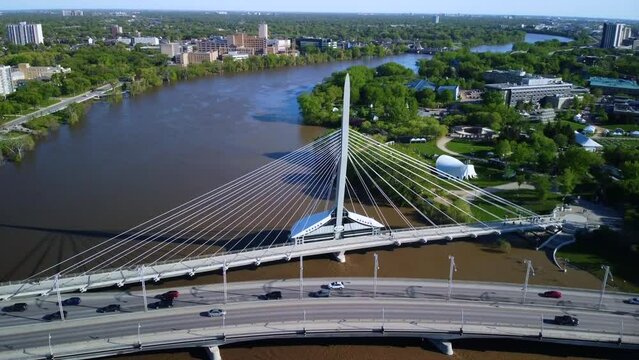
(455, 168)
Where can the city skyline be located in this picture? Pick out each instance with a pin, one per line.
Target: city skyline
(624, 9)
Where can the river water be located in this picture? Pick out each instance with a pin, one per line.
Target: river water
(530, 38)
(129, 161)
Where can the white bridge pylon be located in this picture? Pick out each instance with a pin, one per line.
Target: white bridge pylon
(344, 191)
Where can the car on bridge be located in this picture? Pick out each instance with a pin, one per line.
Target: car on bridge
(551, 294)
(18, 307)
(108, 308)
(54, 316)
(323, 293)
(566, 320)
(634, 301)
(271, 295)
(71, 301)
(335, 285)
(162, 304)
(216, 313)
(169, 295)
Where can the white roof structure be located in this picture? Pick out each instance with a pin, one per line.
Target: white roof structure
(321, 225)
(455, 168)
(590, 129)
(587, 143)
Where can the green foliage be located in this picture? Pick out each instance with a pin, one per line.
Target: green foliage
(542, 186)
(504, 246)
(13, 146)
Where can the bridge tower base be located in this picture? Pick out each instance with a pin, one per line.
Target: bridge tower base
(213, 352)
(340, 256)
(445, 347)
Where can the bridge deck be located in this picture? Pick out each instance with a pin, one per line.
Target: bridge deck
(119, 277)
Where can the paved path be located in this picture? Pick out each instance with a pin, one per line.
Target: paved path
(441, 145)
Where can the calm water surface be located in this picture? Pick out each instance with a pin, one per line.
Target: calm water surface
(530, 38)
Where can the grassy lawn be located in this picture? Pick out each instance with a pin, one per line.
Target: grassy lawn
(525, 198)
(575, 126)
(427, 149)
(590, 256)
(478, 149)
(488, 176)
(621, 141)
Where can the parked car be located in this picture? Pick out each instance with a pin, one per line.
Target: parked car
(321, 293)
(169, 295)
(566, 320)
(109, 308)
(272, 295)
(54, 316)
(216, 312)
(634, 301)
(18, 307)
(335, 285)
(71, 301)
(552, 294)
(162, 304)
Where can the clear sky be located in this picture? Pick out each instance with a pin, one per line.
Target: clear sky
(623, 9)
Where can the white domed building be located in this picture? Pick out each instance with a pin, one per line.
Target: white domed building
(455, 168)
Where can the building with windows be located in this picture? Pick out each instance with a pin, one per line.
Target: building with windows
(25, 71)
(319, 43)
(197, 57)
(116, 30)
(6, 83)
(263, 31)
(72, 13)
(170, 49)
(614, 34)
(532, 92)
(612, 86)
(23, 33)
(149, 40)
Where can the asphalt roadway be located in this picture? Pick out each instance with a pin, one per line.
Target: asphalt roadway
(396, 299)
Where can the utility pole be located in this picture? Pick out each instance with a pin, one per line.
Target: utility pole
(141, 273)
(529, 270)
(139, 338)
(453, 268)
(375, 268)
(50, 347)
(224, 268)
(607, 274)
(301, 277)
(57, 290)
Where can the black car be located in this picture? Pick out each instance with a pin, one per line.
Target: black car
(19, 307)
(55, 316)
(109, 308)
(566, 320)
(162, 304)
(272, 295)
(71, 301)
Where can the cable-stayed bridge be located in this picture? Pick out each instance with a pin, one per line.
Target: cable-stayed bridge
(342, 192)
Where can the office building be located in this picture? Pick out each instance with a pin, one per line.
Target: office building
(27, 72)
(6, 83)
(319, 43)
(23, 33)
(611, 86)
(170, 49)
(614, 34)
(242, 40)
(116, 30)
(148, 40)
(436, 19)
(263, 31)
(72, 13)
(197, 57)
(531, 92)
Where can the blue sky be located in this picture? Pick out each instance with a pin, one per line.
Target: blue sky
(623, 9)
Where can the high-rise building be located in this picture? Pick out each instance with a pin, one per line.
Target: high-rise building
(6, 84)
(614, 34)
(263, 31)
(23, 33)
(116, 30)
(72, 13)
(436, 19)
(170, 49)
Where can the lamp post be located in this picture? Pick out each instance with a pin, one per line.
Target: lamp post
(375, 268)
(453, 268)
(50, 347)
(57, 290)
(607, 274)
(142, 281)
(529, 270)
(224, 268)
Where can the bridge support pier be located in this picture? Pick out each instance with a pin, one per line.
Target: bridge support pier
(213, 352)
(340, 256)
(446, 347)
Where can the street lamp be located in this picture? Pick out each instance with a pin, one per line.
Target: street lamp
(607, 274)
(301, 277)
(224, 268)
(375, 268)
(141, 274)
(453, 268)
(57, 290)
(529, 270)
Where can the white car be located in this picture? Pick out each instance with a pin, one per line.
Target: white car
(216, 312)
(336, 285)
(633, 301)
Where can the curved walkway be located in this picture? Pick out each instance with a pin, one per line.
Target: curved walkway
(441, 145)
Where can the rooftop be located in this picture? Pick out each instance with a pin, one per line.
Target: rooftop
(613, 83)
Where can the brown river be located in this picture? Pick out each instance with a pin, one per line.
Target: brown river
(129, 161)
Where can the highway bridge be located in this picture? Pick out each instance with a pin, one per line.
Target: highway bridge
(389, 308)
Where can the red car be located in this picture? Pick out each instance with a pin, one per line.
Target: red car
(169, 295)
(552, 294)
